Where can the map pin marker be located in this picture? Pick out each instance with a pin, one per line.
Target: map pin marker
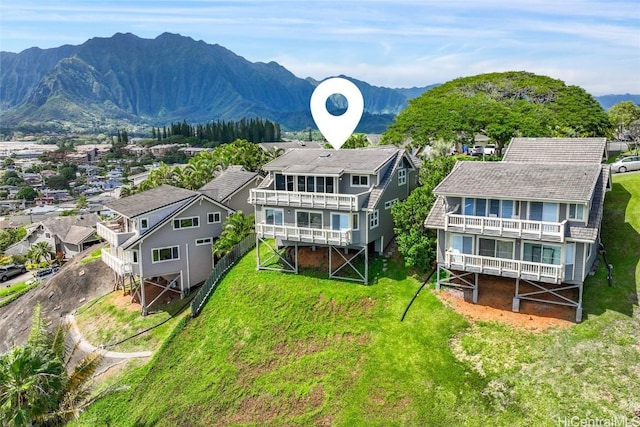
(336, 129)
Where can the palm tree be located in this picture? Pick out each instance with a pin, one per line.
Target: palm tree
(39, 251)
(37, 384)
(235, 228)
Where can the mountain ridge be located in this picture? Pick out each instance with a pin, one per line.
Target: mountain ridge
(126, 80)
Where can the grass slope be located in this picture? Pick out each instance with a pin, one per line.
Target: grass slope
(278, 349)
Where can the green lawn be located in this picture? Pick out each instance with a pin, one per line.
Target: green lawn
(278, 349)
(15, 291)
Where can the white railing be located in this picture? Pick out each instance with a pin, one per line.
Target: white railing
(505, 267)
(112, 232)
(308, 200)
(115, 263)
(506, 226)
(303, 234)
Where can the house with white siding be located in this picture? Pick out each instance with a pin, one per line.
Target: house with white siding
(534, 217)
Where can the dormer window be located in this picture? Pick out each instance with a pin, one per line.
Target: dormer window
(359, 180)
(576, 212)
(144, 223)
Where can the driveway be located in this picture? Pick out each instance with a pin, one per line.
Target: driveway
(17, 279)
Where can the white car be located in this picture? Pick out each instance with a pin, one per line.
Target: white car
(490, 150)
(625, 164)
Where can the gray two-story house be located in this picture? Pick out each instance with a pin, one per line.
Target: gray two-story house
(162, 237)
(534, 217)
(338, 201)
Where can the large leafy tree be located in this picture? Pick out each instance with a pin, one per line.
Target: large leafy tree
(622, 115)
(416, 243)
(500, 106)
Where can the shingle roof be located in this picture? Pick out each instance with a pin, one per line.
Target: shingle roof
(378, 190)
(556, 150)
(150, 200)
(590, 232)
(67, 228)
(310, 160)
(523, 181)
(77, 234)
(227, 183)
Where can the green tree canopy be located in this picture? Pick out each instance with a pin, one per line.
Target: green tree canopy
(622, 115)
(26, 193)
(500, 106)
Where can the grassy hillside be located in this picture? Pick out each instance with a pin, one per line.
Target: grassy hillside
(278, 349)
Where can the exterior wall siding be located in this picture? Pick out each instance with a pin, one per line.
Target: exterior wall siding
(198, 266)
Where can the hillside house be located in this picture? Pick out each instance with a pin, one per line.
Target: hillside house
(67, 235)
(338, 201)
(232, 188)
(534, 217)
(162, 236)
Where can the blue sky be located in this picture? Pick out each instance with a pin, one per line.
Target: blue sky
(403, 43)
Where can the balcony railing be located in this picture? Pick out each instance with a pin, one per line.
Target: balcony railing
(113, 232)
(549, 273)
(115, 263)
(303, 234)
(349, 202)
(506, 227)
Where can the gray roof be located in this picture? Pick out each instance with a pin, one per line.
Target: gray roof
(287, 145)
(69, 228)
(150, 200)
(77, 234)
(523, 181)
(556, 150)
(321, 161)
(227, 183)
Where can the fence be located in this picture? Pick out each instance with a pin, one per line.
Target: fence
(221, 267)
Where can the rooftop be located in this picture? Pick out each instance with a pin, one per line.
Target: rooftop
(150, 200)
(227, 183)
(330, 161)
(556, 150)
(521, 181)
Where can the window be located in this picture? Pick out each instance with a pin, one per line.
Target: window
(279, 181)
(355, 221)
(307, 219)
(339, 221)
(204, 241)
(359, 180)
(576, 212)
(134, 256)
(570, 254)
(47, 235)
(388, 204)
(402, 176)
(144, 223)
(190, 222)
(461, 244)
(274, 216)
(489, 207)
(213, 217)
(547, 212)
(165, 254)
(496, 248)
(543, 253)
(374, 219)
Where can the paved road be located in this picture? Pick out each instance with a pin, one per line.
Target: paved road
(17, 279)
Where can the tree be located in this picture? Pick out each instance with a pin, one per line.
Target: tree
(26, 193)
(416, 243)
(235, 228)
(357, 140)
(82, 202)
(500, 106)
(39, 251)
(57, 182)
(622, 115)
(38, 385)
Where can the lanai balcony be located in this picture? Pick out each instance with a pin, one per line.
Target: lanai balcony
(110, 257)
(506, 227)
(113, 232)
(303, 234)
(347, 202)
(540, 272)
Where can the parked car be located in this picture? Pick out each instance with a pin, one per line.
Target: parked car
(477, 150)
(625, 164)
(11, 270)
(46, 271)
(490, 150)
